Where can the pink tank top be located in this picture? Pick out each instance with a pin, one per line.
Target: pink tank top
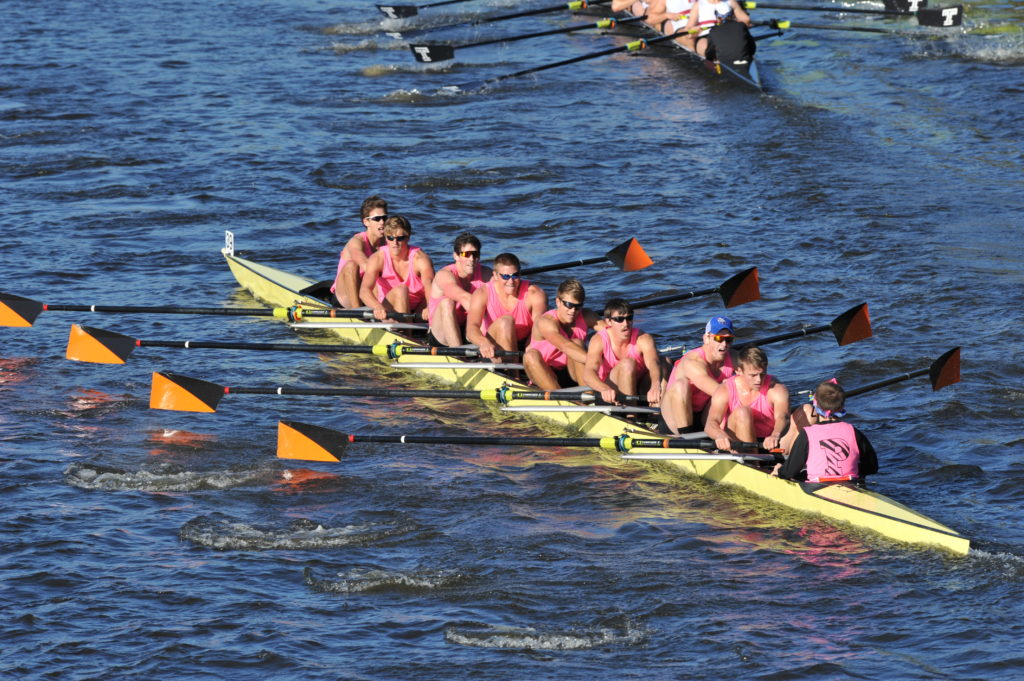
(609, 360)
(367, 251)
(764, 414)
(832, 452)
(520, 313)
(699, 398)
(389, 278)
(475, 282)
(551, 355)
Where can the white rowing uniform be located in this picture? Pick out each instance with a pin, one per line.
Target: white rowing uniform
(710, 14)
(678, 7)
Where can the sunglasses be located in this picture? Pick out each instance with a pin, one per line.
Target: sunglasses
(397, 237)
(469, 254)
(506, 277)
(378, 218)
(620, 319)
(570, 305)
(720, 337)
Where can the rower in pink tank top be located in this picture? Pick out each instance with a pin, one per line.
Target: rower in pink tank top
(367, 251)
(609, 359)
(389, 278)
(699, 398)
(551, 355)
(761, 407)
(475, 282)
(520, 313)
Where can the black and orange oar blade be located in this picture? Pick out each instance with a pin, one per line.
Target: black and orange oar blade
(741, 288)
(853, 325)
(175, 392)
(942, 372)
(18, 311)
(629, 256)
(308, 442)
(86, 344)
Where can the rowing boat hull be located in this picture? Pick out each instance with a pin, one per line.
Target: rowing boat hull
(845, 504)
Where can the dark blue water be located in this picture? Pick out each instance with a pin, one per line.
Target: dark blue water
(148, 544)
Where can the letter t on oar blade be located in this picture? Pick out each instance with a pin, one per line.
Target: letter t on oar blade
(429, 53)
(629, 256)
(308, 442)
(853, 325)
(86, 344)
(18, 311)
(175, 392)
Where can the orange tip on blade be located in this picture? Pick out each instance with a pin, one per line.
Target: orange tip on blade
(86, 344)
(853, 325)
(18, 311)
(182, 393)
(945, 370)
(741, 288)
(310, 443)
(629, 256)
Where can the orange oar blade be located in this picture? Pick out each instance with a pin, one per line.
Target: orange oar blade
(945, 370)
(741, 288)
(86, 344)
(311, 443)
(853, 325)
(182, 393)
(18, 311)
(629, 256)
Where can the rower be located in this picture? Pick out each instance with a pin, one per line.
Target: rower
(621, 359)
(748, 405)
(556, 354)
(830, 450)
(670, 16)
(637, 8)
(696, 376)
(352, 262)
(398, 274)
(452, 290)
(501, 313)
(706, 15)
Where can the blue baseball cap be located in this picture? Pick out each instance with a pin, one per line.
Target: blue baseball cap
(718, 325)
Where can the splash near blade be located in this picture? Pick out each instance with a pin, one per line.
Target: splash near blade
(311, 443)
(86, 344)
(18, 311)
(183, 393)
(853, 325)
(629, 256)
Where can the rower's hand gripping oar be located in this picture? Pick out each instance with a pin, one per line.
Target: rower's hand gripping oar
(406, 11)
(435, 52)
(940, 17)
(88, 344)
(315, 443)
(849, 327)
(574, 6)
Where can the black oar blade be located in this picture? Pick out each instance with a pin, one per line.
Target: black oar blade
(175, 392)
(942, 17)
(853, 325)
(945, 370)
(398, 11)
(310, 443)
(86, 344)
(18, 311)
(629, 256)
(428, 53)
(741, 288)
(905, 6)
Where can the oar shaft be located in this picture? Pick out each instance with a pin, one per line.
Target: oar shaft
(889, 381)
(660, 300)
(837, 9)
(393, 350)
(562, 265)
(130, 309)
(354, 392)
(787, 336)
(607, 23)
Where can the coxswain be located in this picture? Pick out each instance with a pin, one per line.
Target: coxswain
(557, 353)
(352, 262)
(749, 405)
(398, 274)
(705, 15)
(829, 450)
(622, 360)
(501, 313)
(696, 376)
(452, 289)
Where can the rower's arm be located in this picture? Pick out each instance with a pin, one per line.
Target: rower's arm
(425, 269)
(697, 372)
(590, 378)
(367, 294)
(717, 413)
(475, 318)
(778, 395)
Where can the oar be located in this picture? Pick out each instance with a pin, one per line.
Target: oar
(575, 6)
(435, 52)
(633, 46)
(315, 443)
(941, 17)
(628, 256)
(88, 344)
(736, 290)
(786, 25)
(18, 311)
(849, 327)
(942, 372)
(405, 11)
(177, 392)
